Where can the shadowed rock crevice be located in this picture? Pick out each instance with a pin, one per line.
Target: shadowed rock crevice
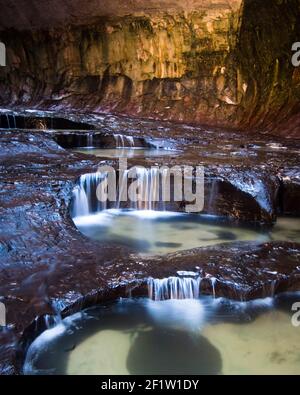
(218, 63)
(268, 30)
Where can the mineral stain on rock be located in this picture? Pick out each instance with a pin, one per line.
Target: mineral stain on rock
(167, 245)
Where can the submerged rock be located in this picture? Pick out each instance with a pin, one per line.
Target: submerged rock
(290, 189)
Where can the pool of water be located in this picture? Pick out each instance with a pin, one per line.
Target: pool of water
(191, 336)
(124, 152)
(160, 232)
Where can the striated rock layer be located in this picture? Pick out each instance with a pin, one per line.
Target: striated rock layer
(214, 62)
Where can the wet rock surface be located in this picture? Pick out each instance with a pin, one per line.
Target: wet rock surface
(47, 265)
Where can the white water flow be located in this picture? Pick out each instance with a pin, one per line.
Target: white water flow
(149, 232)
(90, 140)
(81, 203)
(126, 152)
(13, 124)
(85, 199)
(192, 336)
(148, 182)
(146, 192)
(122, 190)
(174, 288)
(212, 195)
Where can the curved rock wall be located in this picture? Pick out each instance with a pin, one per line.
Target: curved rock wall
(268, 30)
(216, 62)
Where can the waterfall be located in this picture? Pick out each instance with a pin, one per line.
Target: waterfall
(213, 281)
(81, 204)
(90, 140)
(11, 121)
(147, 183)
(212, 196)
(123, 141)
(174, 288)
(84, 195)
(130, 140)
(145, 193)
(269, 289)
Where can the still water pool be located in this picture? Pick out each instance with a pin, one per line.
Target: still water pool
(160, 232)
(191, 336)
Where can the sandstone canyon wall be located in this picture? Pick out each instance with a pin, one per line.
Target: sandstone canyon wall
(213, 62)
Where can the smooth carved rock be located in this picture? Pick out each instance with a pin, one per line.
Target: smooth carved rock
(50, 13)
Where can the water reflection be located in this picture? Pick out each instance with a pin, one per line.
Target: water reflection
(132, 152)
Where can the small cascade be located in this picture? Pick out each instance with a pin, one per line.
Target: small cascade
(273, 288)
(212, 196)
(130, 141)
(122, 190)
(123, 141)
(119, 139)
(174, 288)
(149, 188)
(90, 140)
(85, 200)
(11, 121)
(53, 320)
(213, 281)
(269, 289)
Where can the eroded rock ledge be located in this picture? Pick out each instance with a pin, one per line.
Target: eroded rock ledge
(45, 263)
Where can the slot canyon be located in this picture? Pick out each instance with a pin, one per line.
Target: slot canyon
(157, 84)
